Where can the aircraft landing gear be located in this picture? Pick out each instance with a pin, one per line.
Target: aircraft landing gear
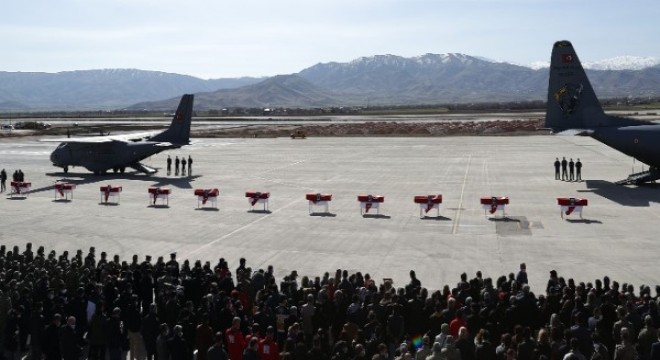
(115, 170)
(122, 169)
(66, 169)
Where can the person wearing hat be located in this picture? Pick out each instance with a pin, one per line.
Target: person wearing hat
(172, 266)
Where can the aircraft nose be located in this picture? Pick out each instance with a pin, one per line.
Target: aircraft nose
(54, 157)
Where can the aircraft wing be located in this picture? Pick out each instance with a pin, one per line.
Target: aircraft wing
(103, 139)
(575, 132)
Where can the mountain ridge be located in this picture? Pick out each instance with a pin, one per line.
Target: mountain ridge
(379, 79)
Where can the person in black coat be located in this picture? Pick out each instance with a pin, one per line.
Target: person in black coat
(564, 169)
(557, 165)
(70, 342)
(150, 329)
(217, 351)
(51, 343)
(177, 345)
(37, 325)
(115, 335)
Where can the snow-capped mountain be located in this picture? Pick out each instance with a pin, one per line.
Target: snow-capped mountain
(623, 63)
(616, 63)
(379, 79)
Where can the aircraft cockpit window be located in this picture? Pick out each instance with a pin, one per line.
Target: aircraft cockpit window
(62, 146)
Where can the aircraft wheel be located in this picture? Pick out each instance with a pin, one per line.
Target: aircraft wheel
(122, 169)
(115, 170)
(66, 169)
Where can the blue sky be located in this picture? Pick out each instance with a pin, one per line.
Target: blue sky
(217, 38)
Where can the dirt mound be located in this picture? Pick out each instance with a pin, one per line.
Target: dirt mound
(387, 128)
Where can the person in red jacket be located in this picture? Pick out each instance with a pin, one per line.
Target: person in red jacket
(235, 340)
(457, 323)
(268, 349)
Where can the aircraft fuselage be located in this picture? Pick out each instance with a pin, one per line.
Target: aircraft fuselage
(99, 157)
(640, 142)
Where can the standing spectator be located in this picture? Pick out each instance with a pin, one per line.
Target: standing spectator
(450, 352)
(484, 348)
(183, 166)
(251, 352)
(647, 336)
(177, 346)
(150, 329)
(97, 335)
(307, 312)
(268, 349)
(37, 325)
(3, 180)
(51, 344)
(465, 345)
(574, 353)
(217, 351)
(162, 352)
(655, 349)
(625, 350)
(69, 340)
(564, 169)
(133, 325)
(521, 278)
(115, 335)
(203, 338)
(169, 165)
(578, 170)
(12, 333)
(425, 351)
(557, 165)
(189, 165)
(176, 165)
(571, 170)
(234, 339)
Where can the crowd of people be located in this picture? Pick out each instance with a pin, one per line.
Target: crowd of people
(179, 162)
(570, 170)
(73, 306)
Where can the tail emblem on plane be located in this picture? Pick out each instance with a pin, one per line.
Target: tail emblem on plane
(568, 98)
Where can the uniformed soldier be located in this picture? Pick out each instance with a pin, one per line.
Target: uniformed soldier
(564, 165)
(3, 179)
(176, 166)
(578, 170)
(557, 165)
(183, 166)
(571, 170)
(189, 165)
(169, 165)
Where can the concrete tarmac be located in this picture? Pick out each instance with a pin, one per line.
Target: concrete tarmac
(617, 236)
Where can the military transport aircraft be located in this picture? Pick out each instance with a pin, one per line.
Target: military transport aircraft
(573, 108)
(117, 152)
